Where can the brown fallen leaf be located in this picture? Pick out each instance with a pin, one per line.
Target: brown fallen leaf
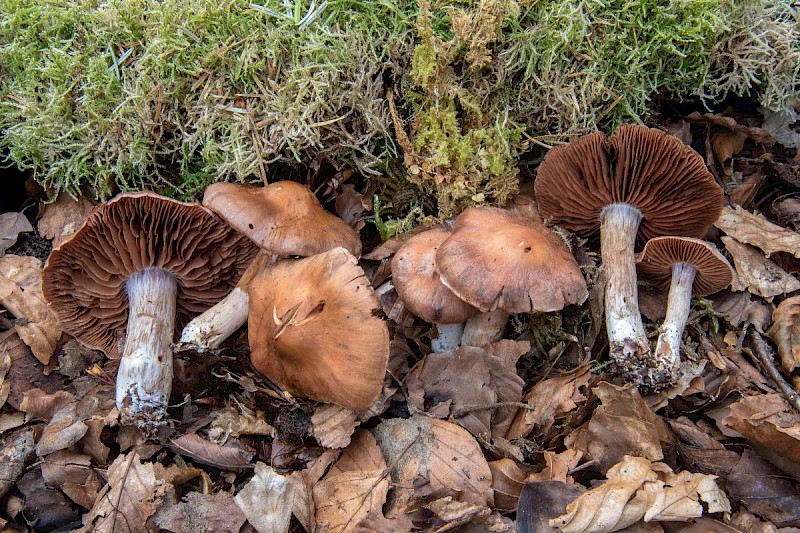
(26, 371)
(303, 481)
(333, 425)
(132, 496)
(758, 135)
(764, 490)
(622, 425)
(266, 500)
(456, 514)
(739, 308)
(197, 512)
(64, 429)
(5, 386)
(64, 217)
(206, 452)
(375, 521)
(756, 273)
(72, 473)
(785, 331)
(542, 501)
(749, 228)
(11, 225)
(558, 467)
(17, 451)
(788, 209)
(431, 458)
(47, 508)
(234, 421)
(507, 482)
(727, 144)
(21, 294)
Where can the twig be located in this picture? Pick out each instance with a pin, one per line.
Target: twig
(765, 357)
(466, 409)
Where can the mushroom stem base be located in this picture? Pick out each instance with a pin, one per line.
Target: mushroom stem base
(628, 342)
(210, 329)
(485, 328)
(668, 348)
(144, 379)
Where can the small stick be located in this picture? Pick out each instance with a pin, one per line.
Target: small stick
(765, 357)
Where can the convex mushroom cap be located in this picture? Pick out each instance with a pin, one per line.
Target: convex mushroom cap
(495, 259)
(313, 329)
(656, 260)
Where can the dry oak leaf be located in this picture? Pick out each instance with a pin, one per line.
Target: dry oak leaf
(432, 459)
(753, 229)
(209, 453)
(11, 225)
(333, 425)
(64, 217)
(201, 512)
(785, 331)
(132, 495)
(266, 500)
(756, 273)
(21, 294)
(355, 486)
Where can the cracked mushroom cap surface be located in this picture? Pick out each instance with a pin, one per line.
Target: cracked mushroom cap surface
(496, 259)
(314, 331)
(655, 261)
(284, 217)
(85, 277)
(418, 284)
(644, 167)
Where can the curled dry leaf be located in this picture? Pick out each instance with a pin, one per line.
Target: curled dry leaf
(11, 225)
(756, 273)
(303, 481)
(749, 228)
(333, 425)
(21, 294)
(431, 458)
(375, 521)
(64, 217)
(622, 425)
(266, 500)
(239, 420)
(206, 452)
(558, 466)
(507, 482)
(785, 331)
(197, 512)
(456, 514)
(5, 366)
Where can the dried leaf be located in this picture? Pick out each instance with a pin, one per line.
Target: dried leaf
(46, 507)
(758, 274)
(21, 294)
(456, 514)
(749, 228)
(333, 425)
(558, 467)
(11, 225)
(266, 500)
(71, 472)
(235, 421)
(16, 453)
(682, 494)
(64, 429)
(785, 331)
(542, 501)
(64, 217)
(739, 308)
(133, 495)
(5, 386)
(198, 512)
(206, 452)
(375, 521)
(26, 371)
(507, 482)
(764, 490)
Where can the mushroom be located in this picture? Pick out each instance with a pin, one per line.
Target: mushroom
(502, 263)
(314, 331)
(283, 219)
(116, 283)
(422, 292)
(684, 265)
(640, 182)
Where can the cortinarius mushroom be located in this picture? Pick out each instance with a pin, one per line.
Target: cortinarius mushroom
(313, 329)
(116, 283)
(422, 292)
(685, 265)
(283, 219)
(641, 180)
(500, 262)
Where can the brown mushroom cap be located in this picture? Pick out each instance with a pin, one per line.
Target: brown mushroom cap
(496, 259)
(655, 262)
(647, 168)
(313, 329)
(284, 217)
(418, 284)
(84, 279)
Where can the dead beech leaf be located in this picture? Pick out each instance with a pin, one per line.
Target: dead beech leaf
(5, 386)
(764, 490)
(266, 500)
(206, 452)
(542, 501)
(71, 472)
(558, 467)
(785, 331)
(11, 225)
(432, 459)
(739, 308)
(21, 294)
(133, 495)
(456, 514)
(375, 521)
(749, 228)
(16, 453)
(303, 481)
(682, 494)
(235, 421)
(64, 217)
(507, 482)
(756, 273)
(333, 425)
(64, 429)
(197, 512)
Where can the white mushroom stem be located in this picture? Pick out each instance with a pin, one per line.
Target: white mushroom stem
(630, 349)
(144, 379)
(210, 329)
(678, 305)
(449, 337)
(485, 328)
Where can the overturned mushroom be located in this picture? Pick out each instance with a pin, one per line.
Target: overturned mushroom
(116, 283)
(313, 329)
(283, 219)
(640, 182)
(684, 265)
(422, 292)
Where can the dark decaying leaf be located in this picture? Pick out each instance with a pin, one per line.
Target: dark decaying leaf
(26, 371)
(765, 490)
(540, 502)
(206, 452)
(48, 507)
(201, 512)
(17, 451)
(785, 331)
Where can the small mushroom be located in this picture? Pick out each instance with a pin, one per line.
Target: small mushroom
(685, 265)
(116, 283)
(283, 219)
(502, 263)
(314, 332)
(422, 292)
(640, 182)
